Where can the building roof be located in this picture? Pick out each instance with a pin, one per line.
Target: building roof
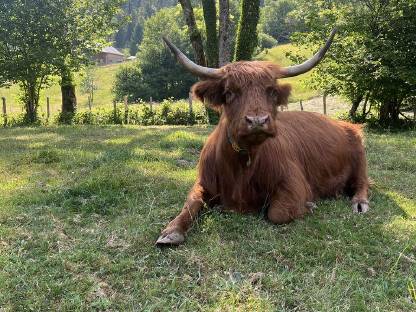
(112, 50)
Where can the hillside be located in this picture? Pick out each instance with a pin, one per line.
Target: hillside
(105, 75)
(279, 55)
(104, 78)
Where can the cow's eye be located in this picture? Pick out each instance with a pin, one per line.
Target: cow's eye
(272, 93)
(229, 96)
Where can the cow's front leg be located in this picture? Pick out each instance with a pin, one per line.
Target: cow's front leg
(174, 233)
(292, 201)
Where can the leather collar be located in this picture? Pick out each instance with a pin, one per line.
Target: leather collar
(237, 148)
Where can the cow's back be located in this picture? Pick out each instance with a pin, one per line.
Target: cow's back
(327, 150)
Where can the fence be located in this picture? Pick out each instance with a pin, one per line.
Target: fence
(185, 109)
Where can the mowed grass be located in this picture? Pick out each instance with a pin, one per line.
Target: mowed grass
(104, 80)
(81, 208)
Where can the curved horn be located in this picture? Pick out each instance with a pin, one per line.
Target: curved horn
(195, 69)
(296, 70)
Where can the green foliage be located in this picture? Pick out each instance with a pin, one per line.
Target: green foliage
(276, 20)
(44, 37)
(247, 30)
(373, 55)
(136, 39)
(266, 41)
(168, 112)
(156, 74)
(28, 47)
(135, 12)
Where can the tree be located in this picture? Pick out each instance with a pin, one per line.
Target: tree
(275, 19)
(373, 56)
(136, 39)
(88, 84)
(155, 73)
(224, 40)
(210, 18)
(194, 33)
(41, 38)
(247, 30)
(27, 47)
(85, 27)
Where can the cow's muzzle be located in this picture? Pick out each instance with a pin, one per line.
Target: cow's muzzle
(257, 129)
(257, 122)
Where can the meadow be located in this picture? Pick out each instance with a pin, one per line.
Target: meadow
(81, 208)
(104, 77)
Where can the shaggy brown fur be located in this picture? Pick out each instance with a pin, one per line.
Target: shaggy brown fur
(295, 159)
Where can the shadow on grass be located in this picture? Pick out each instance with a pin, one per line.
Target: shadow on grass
(95, 199)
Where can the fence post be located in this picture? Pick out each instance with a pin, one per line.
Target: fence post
(48, 108)
(301, 105)
(114, 111)
(89, 102)
(324, 102)
(126, 110)
(191, 111)
(151, 104)
(4, 111)
(414, 112)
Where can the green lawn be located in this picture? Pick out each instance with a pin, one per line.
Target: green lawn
(104, 78)
(81, 208)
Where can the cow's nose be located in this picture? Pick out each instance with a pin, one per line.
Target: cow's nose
(257, 121)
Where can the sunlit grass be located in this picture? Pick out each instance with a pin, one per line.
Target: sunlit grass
(104, 78)
(81, 207)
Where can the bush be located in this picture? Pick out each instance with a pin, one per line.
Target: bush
(156, 73)
(168, 112)
(266, 41)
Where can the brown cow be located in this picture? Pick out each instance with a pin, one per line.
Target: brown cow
(258, 157)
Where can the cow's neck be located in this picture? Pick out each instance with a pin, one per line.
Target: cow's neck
(241, 151)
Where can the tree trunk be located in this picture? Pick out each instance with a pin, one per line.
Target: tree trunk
(247, 30)
(224, 42)
(69, 99)
(365, 112)
(389, 112)
(355, 103)
(196, 41)
(194, 33)
(31, 91)
(210, 18)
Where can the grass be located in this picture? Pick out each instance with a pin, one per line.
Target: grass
(104, 79)
(81, 207)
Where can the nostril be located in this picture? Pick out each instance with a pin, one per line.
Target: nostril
(264, 119)
(250, 120)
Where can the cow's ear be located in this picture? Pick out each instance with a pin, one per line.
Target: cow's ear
(210, 92)
(284, 93)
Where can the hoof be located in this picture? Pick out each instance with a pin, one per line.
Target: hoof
(311, 206)
(169, 239)
(361, 207)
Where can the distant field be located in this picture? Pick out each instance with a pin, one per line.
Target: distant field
(104, 78)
